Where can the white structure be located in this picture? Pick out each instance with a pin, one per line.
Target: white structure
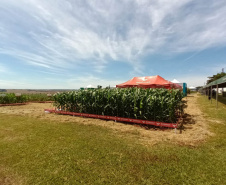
(192, 88)
(89, 86)
(220, 90)
(175, 81)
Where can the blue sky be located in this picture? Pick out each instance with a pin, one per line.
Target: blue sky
(73, 43)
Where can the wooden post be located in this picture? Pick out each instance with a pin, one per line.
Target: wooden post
(217, 97)
(211, 94)
(208, 91)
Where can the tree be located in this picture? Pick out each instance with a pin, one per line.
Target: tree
(215, 77)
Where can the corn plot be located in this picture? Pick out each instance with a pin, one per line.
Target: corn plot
(148, 104)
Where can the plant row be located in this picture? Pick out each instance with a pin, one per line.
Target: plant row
(148, 104)
(9, 98)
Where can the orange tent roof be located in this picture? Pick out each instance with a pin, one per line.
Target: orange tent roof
(149, 82)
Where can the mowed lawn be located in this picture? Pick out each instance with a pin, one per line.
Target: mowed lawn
(34, 151)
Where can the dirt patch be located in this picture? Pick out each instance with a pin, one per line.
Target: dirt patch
(195, 127)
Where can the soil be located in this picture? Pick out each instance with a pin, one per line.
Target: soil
(195, 129)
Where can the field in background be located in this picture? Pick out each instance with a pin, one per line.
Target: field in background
(13, 96)
(34, 91)
(45, 151)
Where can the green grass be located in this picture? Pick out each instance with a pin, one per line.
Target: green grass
(222, 99)
(211, 110)
(45, 152)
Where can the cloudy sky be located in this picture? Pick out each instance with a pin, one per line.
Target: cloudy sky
(73, 43)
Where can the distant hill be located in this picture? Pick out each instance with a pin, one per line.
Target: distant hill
(34, 91)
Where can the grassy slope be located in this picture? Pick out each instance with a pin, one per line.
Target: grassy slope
(43, 152)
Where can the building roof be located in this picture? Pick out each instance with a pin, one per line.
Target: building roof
(221, 82)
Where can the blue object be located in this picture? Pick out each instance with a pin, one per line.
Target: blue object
(185, 89)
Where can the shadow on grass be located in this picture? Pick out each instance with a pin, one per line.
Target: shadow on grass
(221, 99)
(184, 104)
(188, 119)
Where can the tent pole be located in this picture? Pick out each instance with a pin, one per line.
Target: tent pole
(217, 96)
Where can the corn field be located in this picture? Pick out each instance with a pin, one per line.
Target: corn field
(148, 104)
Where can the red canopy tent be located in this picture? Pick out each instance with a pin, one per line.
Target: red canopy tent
(149, 82)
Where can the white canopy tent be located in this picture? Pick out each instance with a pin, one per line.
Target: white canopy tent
(175, 81)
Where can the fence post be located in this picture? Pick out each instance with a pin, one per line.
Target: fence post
(217, 97)
(211, 94)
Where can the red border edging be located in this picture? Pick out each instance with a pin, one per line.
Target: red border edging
(114, 118)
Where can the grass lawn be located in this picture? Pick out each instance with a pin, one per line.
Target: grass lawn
(34, 151)
(210, 108)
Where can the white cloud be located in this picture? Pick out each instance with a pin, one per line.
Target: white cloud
(85, 80)
(57, 34)
(193, 80)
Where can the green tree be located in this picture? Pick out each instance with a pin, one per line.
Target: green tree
(215, 77)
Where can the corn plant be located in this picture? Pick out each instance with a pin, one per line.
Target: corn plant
(149, 104)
